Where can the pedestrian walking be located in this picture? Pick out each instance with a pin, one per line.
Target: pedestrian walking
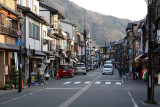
(40, 74)
(120, 71)
(47, 74)
(126, 69)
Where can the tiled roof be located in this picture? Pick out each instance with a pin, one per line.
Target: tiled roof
(8, 46)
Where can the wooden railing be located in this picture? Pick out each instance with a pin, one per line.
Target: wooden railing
(8, 31)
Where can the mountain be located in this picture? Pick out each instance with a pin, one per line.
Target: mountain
(100, 27)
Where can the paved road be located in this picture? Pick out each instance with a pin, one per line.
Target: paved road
(91, 90)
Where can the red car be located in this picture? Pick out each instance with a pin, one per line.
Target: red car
(63, 70)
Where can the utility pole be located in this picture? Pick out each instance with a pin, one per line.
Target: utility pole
(150, 81)
(85, 33)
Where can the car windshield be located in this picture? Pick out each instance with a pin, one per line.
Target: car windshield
(108, 62)
(80, 65)
(65, 67)
(107, 66)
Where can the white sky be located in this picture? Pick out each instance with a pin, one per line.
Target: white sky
(129, 9)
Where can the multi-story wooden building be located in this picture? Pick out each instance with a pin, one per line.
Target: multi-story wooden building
(8, 38)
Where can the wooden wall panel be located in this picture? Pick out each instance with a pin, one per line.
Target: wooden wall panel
(11, 4)
(2, 38)
(2, 1)
(10, 40)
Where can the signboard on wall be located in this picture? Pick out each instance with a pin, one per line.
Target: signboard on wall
(64, 46)
(53, 45)
(158, 36)
(6, 69)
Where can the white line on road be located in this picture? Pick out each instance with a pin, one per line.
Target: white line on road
(87, 82)
(134, 103)
(78, 94)
(118, 83)
(97, 82)
(12, 100)
(122, 81)
(107, 83)
(63, 88)
(67, 83)
(78, 82)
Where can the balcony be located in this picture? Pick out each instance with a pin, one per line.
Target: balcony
(8, 31)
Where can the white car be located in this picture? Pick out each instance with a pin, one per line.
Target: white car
(108, 62)
(108, 69)
(80, 68)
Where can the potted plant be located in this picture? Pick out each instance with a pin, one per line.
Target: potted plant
(14, 76)
(7, 87)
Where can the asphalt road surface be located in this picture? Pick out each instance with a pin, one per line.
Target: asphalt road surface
(91, 90)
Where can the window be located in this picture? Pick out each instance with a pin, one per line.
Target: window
(34, 31)
(2, 19)
(9, 22)
(19, 2)
(30, 30)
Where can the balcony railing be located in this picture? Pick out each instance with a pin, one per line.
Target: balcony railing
(8, 31)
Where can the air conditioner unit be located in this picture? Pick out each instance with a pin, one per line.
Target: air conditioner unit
(50, 31)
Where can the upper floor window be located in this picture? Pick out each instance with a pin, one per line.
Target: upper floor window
(19, 2)
(9, 22)
(34, 31)
(2, 19)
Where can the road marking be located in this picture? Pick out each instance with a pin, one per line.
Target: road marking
(118, 83)
(87, 82)
(107, 83)
(134, 103)
(63, 88)
(12, 100)
(67, 83)
(78, 82)
(78, 94)
(122, 81)
(97, 82)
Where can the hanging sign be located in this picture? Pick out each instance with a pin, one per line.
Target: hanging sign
(158, 36)
(6, 69)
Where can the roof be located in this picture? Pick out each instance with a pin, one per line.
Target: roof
(27, 10)
(120, 41)
(9, 46)
(51, 9)
(6, 7)
(129, 26)
(64, 21)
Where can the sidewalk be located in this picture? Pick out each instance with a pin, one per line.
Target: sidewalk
(138, 89)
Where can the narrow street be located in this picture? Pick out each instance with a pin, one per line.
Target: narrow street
(91, 90)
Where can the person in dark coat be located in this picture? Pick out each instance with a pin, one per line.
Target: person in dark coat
(120, 72)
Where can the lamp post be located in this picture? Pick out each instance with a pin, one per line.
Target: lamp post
(20, 20)
(69, 40)
(94, 54)
(150, 81)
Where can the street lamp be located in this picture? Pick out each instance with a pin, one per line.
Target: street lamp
(150, 81)
(20, 20)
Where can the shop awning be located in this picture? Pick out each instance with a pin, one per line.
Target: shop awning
(39, 53)
(141, 56)
(57, 56)
(9, 46)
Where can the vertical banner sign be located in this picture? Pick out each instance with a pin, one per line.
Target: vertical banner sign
(130, 51)
(137, 44)
(16, 60)
(158, 36)
(64, 46)
(6, 69)
(54, 45)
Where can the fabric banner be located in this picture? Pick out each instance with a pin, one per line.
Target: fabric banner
(16, 60)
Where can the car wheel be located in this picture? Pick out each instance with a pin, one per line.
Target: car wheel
(75, 73)
(84, 73)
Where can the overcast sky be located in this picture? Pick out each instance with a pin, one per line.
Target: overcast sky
(129, 9)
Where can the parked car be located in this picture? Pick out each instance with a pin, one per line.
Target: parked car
(66, 70)
(80, 68)
(108, 69)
